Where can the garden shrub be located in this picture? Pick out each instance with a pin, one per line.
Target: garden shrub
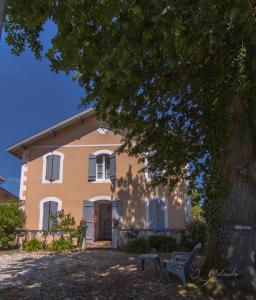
(62, 222)
(12, 220)
(81, 233)
(197, 212)
(139, 245)
(34, 245)
(60, 245)
(195, 233)
(133, 233)
(163, 243)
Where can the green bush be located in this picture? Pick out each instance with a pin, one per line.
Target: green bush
(197, 213)
(163, 243)
(81, 233)
(60, 245)
(195, 233)
(12, 220)
(62, 222)
(137, 246)
(34, 245)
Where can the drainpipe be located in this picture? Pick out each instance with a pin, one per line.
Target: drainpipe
(2, 15)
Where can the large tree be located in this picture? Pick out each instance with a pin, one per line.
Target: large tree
(179, 77)
(2, 14)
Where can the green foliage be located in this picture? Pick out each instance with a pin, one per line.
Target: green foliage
(81, 233)
(12, 220)
(34, 245)
(195, 233)
(197, 212)
(62, 222)
(137, 246)
(163, 243)
(60, 245)
(197, 195)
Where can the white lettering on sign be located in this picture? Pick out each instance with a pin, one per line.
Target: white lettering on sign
(243, 227)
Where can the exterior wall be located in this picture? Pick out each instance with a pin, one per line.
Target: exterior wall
(76, 143)
(24, 175)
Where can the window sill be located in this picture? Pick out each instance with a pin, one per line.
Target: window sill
(52, 182)
(102, 181)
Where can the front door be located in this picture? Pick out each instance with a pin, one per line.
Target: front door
(104, 221)
(98, 215)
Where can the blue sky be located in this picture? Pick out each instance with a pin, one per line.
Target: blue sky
(32, 98)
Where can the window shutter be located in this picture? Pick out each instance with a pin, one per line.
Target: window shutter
(49, 165)
(55, 168)
(116, 209)
(53, 212)
(151, 174)
(113, 167)
(88, 213)
(152, 214)
(160, 214)
(46, 215)
(92, 168)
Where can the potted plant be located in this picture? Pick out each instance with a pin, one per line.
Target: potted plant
(115, 223)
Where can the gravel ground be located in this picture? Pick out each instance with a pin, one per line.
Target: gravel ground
(89, 274)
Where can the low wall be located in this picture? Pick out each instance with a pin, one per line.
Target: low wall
(44, 236)
(124, 235)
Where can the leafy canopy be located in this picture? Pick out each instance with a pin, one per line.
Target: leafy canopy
(164, 70)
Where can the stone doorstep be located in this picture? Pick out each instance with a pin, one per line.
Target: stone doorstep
(99, 245)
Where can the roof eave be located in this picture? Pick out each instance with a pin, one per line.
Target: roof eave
(17, 149)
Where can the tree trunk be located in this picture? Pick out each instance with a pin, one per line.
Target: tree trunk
(2, 15)
(238, 234)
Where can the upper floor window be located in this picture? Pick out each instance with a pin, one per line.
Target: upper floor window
(150, 174)
(53, 167)
(102, 166)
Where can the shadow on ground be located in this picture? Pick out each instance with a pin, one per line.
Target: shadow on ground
(91, 274)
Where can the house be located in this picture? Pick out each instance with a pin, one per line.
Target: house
(2, 179)
(5, 195)
(73, 166)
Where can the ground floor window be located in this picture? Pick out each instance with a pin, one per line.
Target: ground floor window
(50, 210)
(157, 214)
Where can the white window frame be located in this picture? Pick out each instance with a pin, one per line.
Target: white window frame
(41, 208)
(148, 178)
(166, 210)
(97, 153)
(60, 180)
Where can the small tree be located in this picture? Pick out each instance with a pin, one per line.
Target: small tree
(81, 232)
(12, 221)
(61, 222)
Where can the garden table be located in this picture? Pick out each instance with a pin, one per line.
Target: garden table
(153, 258)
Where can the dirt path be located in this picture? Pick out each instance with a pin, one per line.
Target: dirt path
(91, 274)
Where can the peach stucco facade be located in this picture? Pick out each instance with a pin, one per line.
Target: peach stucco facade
(76, 142)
